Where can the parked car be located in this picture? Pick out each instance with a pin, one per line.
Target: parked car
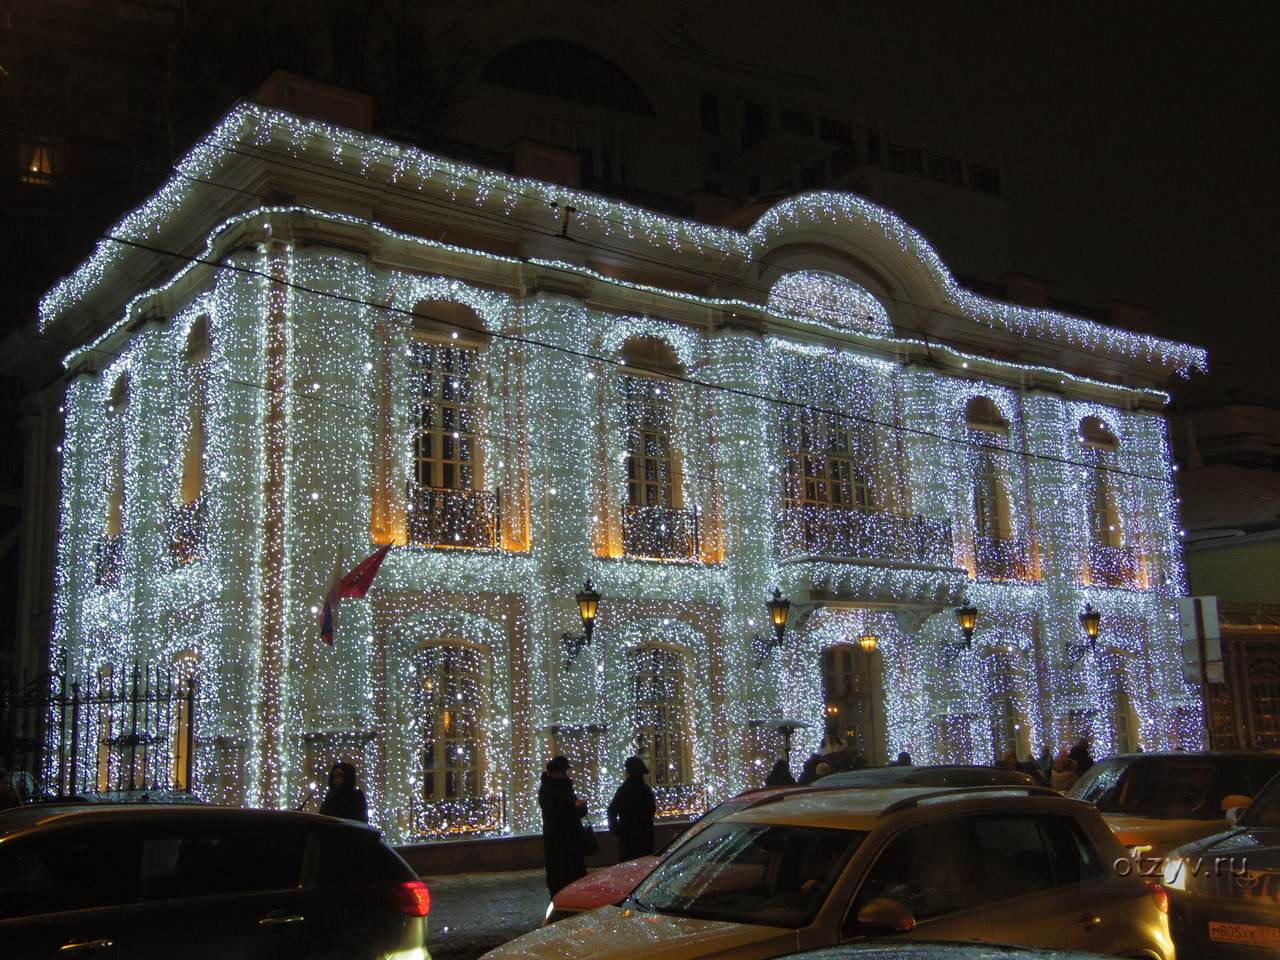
(1156, 802)
(936, 950)
(140, 881)
(823, 867)
(942, 775)
(1224, 891)
(613, 883)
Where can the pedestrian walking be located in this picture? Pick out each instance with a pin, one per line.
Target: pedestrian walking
(343, 798)
(631, 813)
(780, 775)
(904, 760)
(1010, 760)
(562, 826)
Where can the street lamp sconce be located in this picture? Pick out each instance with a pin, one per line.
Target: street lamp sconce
(869, 641)
(588, 604)
(1091, 623)
(968, 618)
(779, 609)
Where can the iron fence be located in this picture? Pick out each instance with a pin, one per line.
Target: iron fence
(64, 735)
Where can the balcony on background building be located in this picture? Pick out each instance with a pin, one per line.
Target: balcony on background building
(1114, 567)
(864, 534)
(443, 517)
(186, 525)
(108, 559)
(1004, 558)
(660, 533)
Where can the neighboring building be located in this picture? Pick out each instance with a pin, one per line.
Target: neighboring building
(620, 100)
(526, 386)
(1229, 449)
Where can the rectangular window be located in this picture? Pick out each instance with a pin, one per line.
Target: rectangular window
(446, 445)
(452, 697)
(796, 122)
(710, 110)
(39, 163)
(823, 467)
(203, 864)
(835, 131)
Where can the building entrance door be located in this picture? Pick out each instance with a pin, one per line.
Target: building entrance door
(852, 690)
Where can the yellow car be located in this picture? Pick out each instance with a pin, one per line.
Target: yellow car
(1018, 865)
(1156, 802)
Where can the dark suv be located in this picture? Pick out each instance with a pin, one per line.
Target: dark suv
(145, 881)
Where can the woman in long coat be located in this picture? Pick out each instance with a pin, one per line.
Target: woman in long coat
(562, 814)
(631, 813)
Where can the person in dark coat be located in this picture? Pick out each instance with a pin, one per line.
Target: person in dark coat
(343, 798)
(1080, 754)
(809, 772)
(562, 814)
(631, 813)
(780, 775)
(904, 760)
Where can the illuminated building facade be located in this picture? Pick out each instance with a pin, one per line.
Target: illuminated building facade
(322, 341)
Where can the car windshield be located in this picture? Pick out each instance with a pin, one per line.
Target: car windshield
(1265, 809)
(1159, 788)
(713, 815)
(776, 875)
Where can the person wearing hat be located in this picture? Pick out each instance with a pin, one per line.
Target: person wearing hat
(562, 814)
(631, 813)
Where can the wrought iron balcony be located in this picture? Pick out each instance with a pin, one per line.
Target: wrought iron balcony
(659, 533)
(1113, 567)
(470, 815)
(864, 534)
(108, 559)
(1004, 558)
(187, 528)
(443, 517)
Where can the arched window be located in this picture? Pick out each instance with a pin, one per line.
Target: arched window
(110, 549)
(659, 722)
(999, 553)
(448, 503)
(186, 522)
(570, 71)
(452, 696)
(656, 523)
(1110, 562)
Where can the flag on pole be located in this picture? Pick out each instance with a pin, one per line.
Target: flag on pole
(358, 581)
(329, 615)
(355, 584)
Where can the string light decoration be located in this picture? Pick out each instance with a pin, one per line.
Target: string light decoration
(308, 421)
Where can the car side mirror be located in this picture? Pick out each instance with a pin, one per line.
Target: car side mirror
(886, 916)
(1235, 800)
(1233, 815)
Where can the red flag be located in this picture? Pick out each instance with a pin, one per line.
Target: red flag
(358, 581)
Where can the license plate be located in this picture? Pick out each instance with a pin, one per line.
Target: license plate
(1244, 933)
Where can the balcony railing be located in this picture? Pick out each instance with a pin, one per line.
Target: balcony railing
(1113, 566)
(865, 534)
(108, 559)
(659, 533)
(1009, 558)
(187, 525)
(443, 517)
(472, 815)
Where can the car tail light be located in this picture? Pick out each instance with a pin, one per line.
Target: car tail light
(410, 897)
(1159, 896)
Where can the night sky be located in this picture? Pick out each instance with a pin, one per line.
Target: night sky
(1140, 140)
